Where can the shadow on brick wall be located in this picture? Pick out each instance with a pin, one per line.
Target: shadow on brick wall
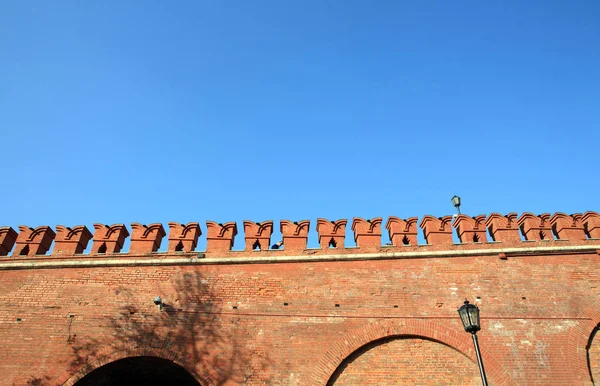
(191, 330)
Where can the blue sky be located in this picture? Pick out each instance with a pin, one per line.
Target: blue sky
(158, 111)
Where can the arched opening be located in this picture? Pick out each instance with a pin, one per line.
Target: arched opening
(144, 370)
(406, 360)
(593, 356)
(332, 243)
(405, 240)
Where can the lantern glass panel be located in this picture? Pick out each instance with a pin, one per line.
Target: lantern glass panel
(474, 315)
(456, 201)
(464, 316)
(469, 315)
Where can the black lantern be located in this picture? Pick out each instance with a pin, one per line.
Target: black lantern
(469, 314)
(456, 202)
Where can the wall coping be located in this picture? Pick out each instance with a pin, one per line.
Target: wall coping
(167, 259)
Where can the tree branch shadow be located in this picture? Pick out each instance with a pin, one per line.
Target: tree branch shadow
(191, 325)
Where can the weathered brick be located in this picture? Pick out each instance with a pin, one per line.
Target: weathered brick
(338, 316)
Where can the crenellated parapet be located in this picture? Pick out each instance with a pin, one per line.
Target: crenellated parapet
(8, 237)
(591, 224)
(34, 241)
(473, 232)
(367, 233)
(258, 235)
(331, 233)
(470, 229)
(146, 238)
(535, 228)
(437, 230)
(567, 227)
(402, 232)
(70, 241)
(295, 234)
(220, 237)
(503, 228)
(183, 237)
(109, 238)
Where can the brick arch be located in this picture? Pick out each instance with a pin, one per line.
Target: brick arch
(105, 357)
(579, 339)
(354, 340)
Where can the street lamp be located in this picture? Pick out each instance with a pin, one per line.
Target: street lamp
(469, 315)
(456, 202)
(158, 301)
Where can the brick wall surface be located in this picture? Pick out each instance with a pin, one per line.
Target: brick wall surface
(54, 321)
(407, 362)
(301, 322)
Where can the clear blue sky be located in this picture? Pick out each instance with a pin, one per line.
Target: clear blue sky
(158, 111)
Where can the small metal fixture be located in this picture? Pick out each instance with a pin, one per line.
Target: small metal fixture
(158, 301)
(456, 202)
(469, 315)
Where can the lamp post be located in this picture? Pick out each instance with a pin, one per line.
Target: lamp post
(456, 202)
(469, 315)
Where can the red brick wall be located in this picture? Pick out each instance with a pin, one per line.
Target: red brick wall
(296, 322)
(265, 341)
(407, 361)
